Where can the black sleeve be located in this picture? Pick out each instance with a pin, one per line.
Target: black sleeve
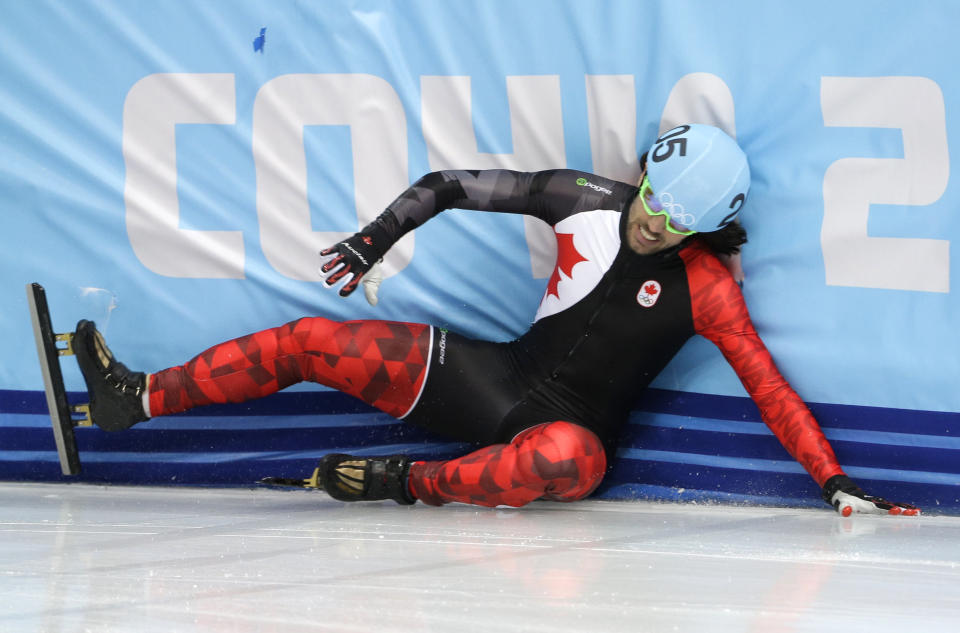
(549, 195)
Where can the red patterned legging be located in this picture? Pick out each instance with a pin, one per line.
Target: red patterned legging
(559, 461)
(384, 364)
(381, 362)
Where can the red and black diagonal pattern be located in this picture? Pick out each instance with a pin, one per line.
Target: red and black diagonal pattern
(720, 315)
(559, 461)
(381, 362)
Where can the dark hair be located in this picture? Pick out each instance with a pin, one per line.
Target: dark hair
(727, 240)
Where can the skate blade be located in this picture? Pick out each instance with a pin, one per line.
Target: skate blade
(312, 482)
(49, 352)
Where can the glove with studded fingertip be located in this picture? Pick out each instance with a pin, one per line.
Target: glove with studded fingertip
(847, 498)
(356, 255)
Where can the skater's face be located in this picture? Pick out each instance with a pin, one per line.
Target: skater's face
(648, 234)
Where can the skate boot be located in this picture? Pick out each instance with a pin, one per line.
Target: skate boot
(348, 478)
(116, 393)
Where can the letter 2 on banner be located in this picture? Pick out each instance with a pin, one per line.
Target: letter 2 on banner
(851, 185)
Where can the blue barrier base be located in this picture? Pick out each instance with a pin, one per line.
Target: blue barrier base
(676, 447)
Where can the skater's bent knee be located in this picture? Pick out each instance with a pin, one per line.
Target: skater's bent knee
(568, 456)
(562, 440)
(572, 439)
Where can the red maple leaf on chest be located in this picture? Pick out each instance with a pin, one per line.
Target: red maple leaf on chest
(650, 289)
(567, 257)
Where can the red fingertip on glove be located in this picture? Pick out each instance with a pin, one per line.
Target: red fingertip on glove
(847, 511)
(337, 276)
(330, 264)
(350, 287)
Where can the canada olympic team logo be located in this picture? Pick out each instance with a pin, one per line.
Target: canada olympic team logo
(649, 293)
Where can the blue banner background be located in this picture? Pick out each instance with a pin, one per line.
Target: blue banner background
(887, 356)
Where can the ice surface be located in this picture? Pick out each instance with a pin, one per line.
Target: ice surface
(94, 558)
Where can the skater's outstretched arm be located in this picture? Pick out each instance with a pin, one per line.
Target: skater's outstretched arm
(549, 195)
(721, 316)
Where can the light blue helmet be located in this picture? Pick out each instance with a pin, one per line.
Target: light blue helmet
(700, 175)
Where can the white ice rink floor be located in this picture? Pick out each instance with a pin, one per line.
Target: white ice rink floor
(96, 558)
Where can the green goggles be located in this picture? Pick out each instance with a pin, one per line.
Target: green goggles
(654, 207)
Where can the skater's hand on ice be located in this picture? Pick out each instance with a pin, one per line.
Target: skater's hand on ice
(847, 498)
(357, 256)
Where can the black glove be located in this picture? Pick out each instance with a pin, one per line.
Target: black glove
(357, 254)
(847, 497)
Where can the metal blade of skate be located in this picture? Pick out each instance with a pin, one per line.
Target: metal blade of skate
(312, 482)
(49, 354)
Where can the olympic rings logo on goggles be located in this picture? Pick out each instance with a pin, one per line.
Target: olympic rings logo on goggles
(676, 217)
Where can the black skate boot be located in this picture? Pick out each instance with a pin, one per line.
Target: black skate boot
(348, 478)
(116, 393)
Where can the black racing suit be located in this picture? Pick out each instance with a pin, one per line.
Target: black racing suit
(609, 321)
